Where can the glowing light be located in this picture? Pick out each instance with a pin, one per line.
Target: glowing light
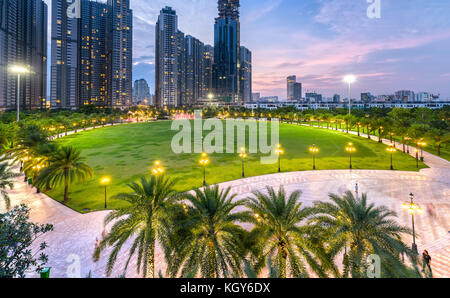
(350, 79)
(19, 69)
(105, 180)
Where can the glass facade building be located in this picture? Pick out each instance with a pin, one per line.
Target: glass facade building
(23, 41)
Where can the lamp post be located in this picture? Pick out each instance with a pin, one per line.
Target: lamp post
(19, 70)
(314, 150)
(204, 162)
(421, 144)
(349, 79)
(157, 168)
(105, 181)
(380, 131)
(350, 149)
(243, 156)
(391, 149)
(413, 209)
(279, 151)
(417, 157)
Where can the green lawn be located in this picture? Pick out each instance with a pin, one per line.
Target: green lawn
(126, 152)
(430, 148)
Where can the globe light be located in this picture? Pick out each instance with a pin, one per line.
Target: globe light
(105, 180)
(157, 169)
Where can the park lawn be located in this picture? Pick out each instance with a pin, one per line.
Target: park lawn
(430, 148)
(127, 152)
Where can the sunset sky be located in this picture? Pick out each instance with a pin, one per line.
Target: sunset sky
(320, 41)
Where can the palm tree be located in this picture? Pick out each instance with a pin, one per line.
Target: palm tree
(144, 217)
(213, 247)
(6, 181)
(278, 236)
(65, 166)
(359, 229)
(440, 136)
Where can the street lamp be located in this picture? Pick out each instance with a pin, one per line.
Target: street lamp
(243, 156)
(391, 149)
(157, 168)
(350, 149)
(349, 79)
(421, 144)
(204, 162)
(417, 157)
(19, 70)
(413, 209)
(279, 151)
(105, 181)
(380, 131)
(314, 150)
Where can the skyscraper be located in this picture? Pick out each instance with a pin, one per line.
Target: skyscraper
(23, 41)
(194, 70)
(93, 49)
(291, 80)
(227, 52)
(208, 71)
(169, 52)
(65, 58)
(120, 55)
(298, 91)
(245, 74)
(183, 64)
(141, 92)
(294, 89)
(91, 55)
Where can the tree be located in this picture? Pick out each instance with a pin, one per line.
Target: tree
(359, 229)
(6, 181)
(29, 138)
(278, 235)
(17, 236)
(214, 244)
(440, 136)
(65, 167)
(144, 218)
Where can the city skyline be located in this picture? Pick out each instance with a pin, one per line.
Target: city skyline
(328, 39)
(411, 56)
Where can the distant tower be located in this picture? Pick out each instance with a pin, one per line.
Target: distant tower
(23, 41)
(226, 70)
(120, 57)
(141, 92)
(246, 74)
(291, 80)
(169, 54)
(65, 87)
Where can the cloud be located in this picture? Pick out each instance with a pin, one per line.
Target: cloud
(262, 10)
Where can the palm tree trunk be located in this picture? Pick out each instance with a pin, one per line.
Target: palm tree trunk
(66, 187)
(151, 259)
(211, 261)
(66, 192)
(283, 261)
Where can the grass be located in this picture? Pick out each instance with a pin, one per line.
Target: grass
(127, 152)
(430, 148)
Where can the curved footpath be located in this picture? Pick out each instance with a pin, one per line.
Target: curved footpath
(72, 242)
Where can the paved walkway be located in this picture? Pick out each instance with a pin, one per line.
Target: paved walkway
(73, 240)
